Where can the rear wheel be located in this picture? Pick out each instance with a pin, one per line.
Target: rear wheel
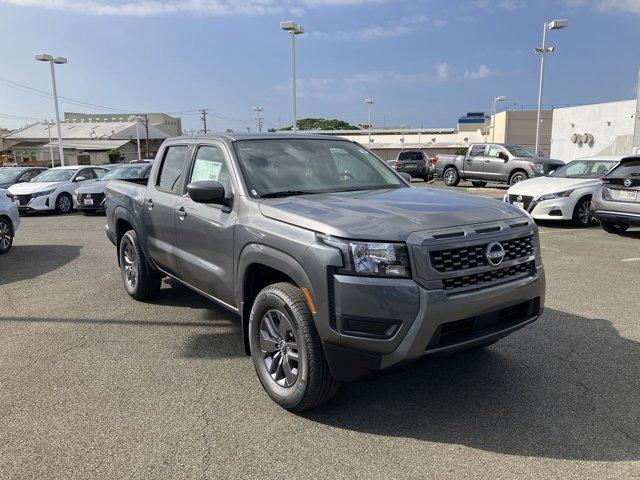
(451, 177)
(582, 216)
(614, 227)
(479, 184)
(517, 177)
(140, 280)
(286, 349)
(6, 236)
(64, 203)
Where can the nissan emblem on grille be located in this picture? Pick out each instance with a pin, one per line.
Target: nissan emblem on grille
(495, 253)
(627, 183)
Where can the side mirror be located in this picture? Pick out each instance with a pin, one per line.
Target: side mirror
(503, 156)
(405, 176)
(80, 179)
(207, 191)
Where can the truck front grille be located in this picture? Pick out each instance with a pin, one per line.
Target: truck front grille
(473, 256)
(478, 279)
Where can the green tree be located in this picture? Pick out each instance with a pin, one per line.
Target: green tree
(322, 124)
(462, 151)
(114, 155)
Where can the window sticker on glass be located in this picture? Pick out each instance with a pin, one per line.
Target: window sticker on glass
(206, 170)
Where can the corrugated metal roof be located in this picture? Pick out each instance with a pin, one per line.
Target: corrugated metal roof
(89, 144)
(87, 131)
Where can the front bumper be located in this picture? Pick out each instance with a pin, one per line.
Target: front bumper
(556, 209)
(37, 204)
(410, 321)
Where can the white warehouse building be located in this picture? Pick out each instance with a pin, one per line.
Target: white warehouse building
(596, 129)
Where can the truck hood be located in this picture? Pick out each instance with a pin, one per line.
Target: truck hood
(386, 214)
(28, 187)
(543, 185)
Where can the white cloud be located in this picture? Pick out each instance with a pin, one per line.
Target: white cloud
(443, 70)
(396, 28)
(609, 6)
(482, 72)
(200, 7)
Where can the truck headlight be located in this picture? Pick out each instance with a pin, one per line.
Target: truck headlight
(376, 259)
(537, 168)
(555, 196)
(43, 193)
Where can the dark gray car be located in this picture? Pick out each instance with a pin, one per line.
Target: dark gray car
(336, 266)
(12, 175)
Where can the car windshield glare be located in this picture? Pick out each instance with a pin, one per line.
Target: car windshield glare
(10, 175)
(585, 169)
(54, 175)
(124, 173)
(302, 166)
(518, 151)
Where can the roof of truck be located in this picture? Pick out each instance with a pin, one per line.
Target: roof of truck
(232, 137)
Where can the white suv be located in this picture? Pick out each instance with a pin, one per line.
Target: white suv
(54, 189)
(9, 221)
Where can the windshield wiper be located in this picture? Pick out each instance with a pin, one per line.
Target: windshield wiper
(285, 193)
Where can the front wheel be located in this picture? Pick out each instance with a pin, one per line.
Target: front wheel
(6, 236)
(286, 350)
(140, 280)
(518, 177)
(582, 216)
(614, 227)
(451, 177)
(64, 203)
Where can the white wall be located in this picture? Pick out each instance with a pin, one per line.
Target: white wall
(610, 124)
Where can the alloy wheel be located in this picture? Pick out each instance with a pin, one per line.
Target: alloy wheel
(130, 266)
(584, 213)
(64, 204)
(5, 236)
(449, 177)
(279, 347)
(517, 178)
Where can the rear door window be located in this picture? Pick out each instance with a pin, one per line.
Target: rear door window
(410, 156)
(171, 169)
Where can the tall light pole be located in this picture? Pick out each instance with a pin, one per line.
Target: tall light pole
(403, 127)
(137, 120)
(48, 124)
(258, 118)
(554, 25)
(369, 102)
(294, 29)
(500, 98)
(45, 57)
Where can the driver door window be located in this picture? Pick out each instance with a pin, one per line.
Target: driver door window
(210, 164)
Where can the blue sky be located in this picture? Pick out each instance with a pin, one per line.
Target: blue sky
(424, 62)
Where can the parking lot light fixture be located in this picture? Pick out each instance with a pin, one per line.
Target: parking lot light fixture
(45, 57)
(369, 102)
(258, 110)
(500, 98)
(542, 51)
(294, 29)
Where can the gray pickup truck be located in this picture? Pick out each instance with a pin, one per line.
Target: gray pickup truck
(336, 266)
(492, 162)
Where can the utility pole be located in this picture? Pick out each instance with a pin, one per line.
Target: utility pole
(145, 120)
(203, 117)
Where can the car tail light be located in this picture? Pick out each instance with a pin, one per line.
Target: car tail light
(434, 160)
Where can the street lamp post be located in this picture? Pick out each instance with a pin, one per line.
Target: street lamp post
(258, 118)
(500, 98)
(45, 57)
(48, 124)
(369, 102)
(294, 29)
(403, 127)
(137, 120)
(554, 25)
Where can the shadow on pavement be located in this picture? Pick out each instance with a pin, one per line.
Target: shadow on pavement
(24, 262)
(565, 388)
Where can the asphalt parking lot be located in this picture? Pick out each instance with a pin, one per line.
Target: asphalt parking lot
(96, 385)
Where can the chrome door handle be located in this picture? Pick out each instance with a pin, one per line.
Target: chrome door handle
(149, 203)
(181, 213)
(487, 161)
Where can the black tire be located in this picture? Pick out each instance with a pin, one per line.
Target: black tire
(141, 281)
(451, 177)
(517, 177)
(286, 349)
(64, 203)
(616, 228)
(6, 235)
(582, 216)
(479, 184)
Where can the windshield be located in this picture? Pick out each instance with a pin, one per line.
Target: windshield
(54, 175)
(518, 151)
(124, 173)
(9, 175)
(585, 169)
(292, 166)
(627, 169)
(410, 156)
